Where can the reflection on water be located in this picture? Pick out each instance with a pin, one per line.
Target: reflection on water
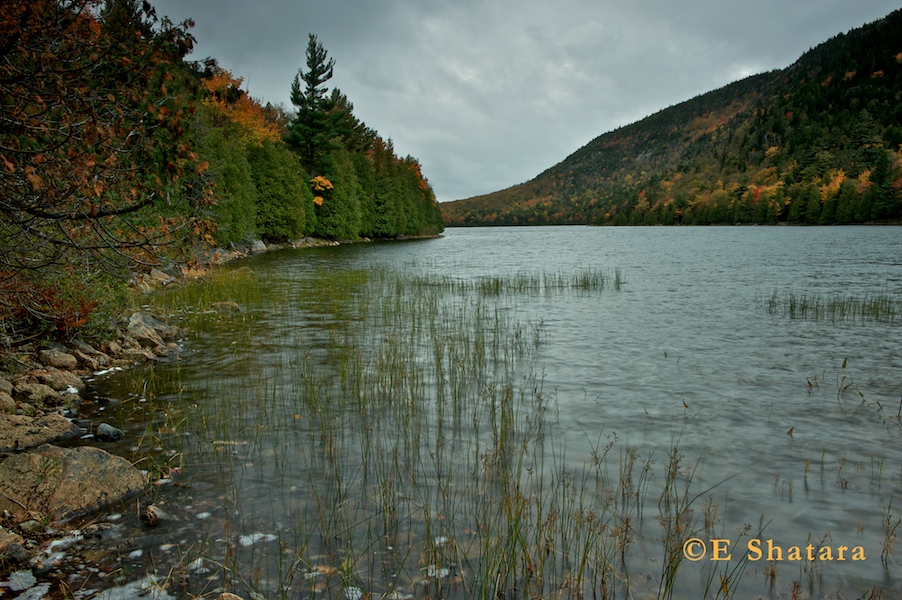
(524, 412)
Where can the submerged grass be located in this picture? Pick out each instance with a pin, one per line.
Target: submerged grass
(404, 445)
(880, 306)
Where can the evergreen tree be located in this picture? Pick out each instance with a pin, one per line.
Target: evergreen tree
(284, 200)
(313, 130)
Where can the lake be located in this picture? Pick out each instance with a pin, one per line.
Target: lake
(525, 412)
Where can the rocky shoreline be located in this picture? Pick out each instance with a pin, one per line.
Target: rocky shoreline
(45, 486)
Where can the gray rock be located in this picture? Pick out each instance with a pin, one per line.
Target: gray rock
(158, 276)
(258, 246)
(150, 332)
(86, 360)
(138, 354)
(58, 359)
(7, 539)
(107, 433)
(6, 386)
(153, 515)
(84, 347)
(18, 431)
(35, 392)
(61, 380)
(7, 404)
(165, 350)
(63, 483)
(16, 554)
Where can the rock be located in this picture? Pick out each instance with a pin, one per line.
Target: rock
(138, 354)
(150, 332)
(7, 539)
(158, 276)
(18, 431)
(35, 392)
(26, 409)
(6, 387)
(114, 348)
(143, 286)
(258, 246)
(86, 360)
(84, 347)
(166, 350)
(153, 515)
(63, 483)
(107, 433)
(61, 380)
(228, 596)
(58, 359)
(7, 404)
(16, 554)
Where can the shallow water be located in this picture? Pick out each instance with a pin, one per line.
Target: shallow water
(302, 473)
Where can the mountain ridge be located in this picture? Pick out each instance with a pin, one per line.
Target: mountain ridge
(757, 150)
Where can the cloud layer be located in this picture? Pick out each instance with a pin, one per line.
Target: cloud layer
(487, 94)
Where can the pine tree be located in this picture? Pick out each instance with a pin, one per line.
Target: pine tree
(313, 130)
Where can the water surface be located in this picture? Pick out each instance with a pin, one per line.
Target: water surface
(328, 445)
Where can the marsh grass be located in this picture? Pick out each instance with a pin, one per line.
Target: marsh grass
(882, 306)
(397, 441)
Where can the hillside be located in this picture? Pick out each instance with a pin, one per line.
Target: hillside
(816, 142)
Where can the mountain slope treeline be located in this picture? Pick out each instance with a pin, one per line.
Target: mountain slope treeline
(817, 142)
(117, 154)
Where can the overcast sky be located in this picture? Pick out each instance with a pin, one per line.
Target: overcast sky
(487, 94)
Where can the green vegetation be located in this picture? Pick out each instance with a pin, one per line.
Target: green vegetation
(815, 143)
(117, 154)
(882, 306)
(409, 448)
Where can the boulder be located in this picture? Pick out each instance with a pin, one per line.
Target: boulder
(170, 349)
(19, 431)
(35, 392)
(258, 246)
(6, 387)
(7, 539)
(7, 404)
(150, 332)
(58, 359)
(64, 483)
(86, 360)
(138, 355)
(60, 380)
(158, 276)
(84, 347)
(107, 433)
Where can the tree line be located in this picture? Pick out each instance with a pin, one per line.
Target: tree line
(815, 143)
(117, 154)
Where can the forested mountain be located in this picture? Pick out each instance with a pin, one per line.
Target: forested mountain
(816, 142)
(117, 155)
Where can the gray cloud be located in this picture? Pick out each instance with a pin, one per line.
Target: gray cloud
(487, 94)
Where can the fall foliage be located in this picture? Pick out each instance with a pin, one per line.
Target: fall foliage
(117, 154)
(92, 141)
(816, 143)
